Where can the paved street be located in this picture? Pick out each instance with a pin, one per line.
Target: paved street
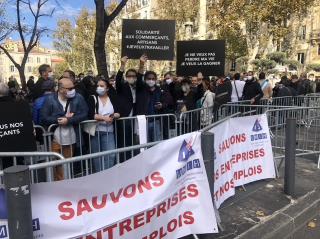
(309, 233)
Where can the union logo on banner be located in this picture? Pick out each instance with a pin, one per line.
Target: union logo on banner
(257, 126)
(185, 151)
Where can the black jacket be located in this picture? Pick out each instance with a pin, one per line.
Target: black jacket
(143, 95)
(252, 89)
(124, 95)
(37, 89)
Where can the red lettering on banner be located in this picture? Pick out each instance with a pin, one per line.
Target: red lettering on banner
(68, 213)
(125, 226)
(161, 209)
(83, 206)
(110, 230)
(143, 218)
(150, 214)
(138, 220)
(189, 219)
(249, 172)
(144, 184)
(102, 204)
(186, 218)
(68, 210)
(157, 178)
(224, 189)
(172, 225)
(234, 139)
(174, 200)
(116, 198)
(130, 191)
(182, 194)
(193, 191)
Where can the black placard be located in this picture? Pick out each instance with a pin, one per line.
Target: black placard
(206, 56)
(155, 38)
(16, 128)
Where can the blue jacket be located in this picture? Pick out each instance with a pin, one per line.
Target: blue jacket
(36, 108)
(52, 110)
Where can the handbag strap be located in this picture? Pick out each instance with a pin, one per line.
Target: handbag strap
(235, 86)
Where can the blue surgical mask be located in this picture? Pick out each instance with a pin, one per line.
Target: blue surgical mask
(71, 94)
(101, 90)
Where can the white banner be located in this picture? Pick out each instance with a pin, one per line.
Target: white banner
(161, 193)
(243, 154)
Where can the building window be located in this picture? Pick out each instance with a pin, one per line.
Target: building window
(144, 2)
(46, 60)
(38, 59)
(301, 58)
(302, 33)
(29, 69)
(11, 68)
(233, 65)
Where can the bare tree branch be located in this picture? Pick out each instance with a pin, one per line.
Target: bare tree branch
(9, 56)
(118, 9)
(20, 30)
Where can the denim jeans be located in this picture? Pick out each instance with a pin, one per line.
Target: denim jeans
(103, 141)
(154, 133)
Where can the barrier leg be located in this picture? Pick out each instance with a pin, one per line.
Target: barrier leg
(290, 157)
(17, 184)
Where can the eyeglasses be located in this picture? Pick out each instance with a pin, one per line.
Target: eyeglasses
(70, 88)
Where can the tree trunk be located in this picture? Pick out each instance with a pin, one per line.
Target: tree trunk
(99, 39)
(22, 78)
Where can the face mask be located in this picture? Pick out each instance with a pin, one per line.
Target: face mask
(50, 75)
(101, 91)
(131, 80)
(150, 83)
(250, 77)
(245, 78)
(71, 94)
(168, 81)
(185, 88)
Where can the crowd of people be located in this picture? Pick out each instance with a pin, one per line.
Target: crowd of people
(72, 99)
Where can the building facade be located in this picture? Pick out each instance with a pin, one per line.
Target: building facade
(37, 57)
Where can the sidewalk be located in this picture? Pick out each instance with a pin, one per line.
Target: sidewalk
(264, 211)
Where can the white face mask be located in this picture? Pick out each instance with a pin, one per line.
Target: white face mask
(250, 77)
(50, 74)
(169, 81)
(131, 80)
(151, 83)
(71, 94)
(101, 90)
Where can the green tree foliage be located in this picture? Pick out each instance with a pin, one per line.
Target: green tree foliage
(313, 67)
(75, 43)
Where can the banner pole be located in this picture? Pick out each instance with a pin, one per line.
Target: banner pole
(17, 185)
(290, 157)
(207, 147)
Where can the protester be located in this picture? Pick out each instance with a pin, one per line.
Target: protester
(30, 85)
(4, 93)
(103, 107)
(207, 102)
(237, 88)
(69, 74)
(67, 109)
(112, 80)
(252, 90)
(265, 86)
(223, 92)
(45, 73)
(149, 99)
(188, 97)
(48, 88)
(282, 89)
